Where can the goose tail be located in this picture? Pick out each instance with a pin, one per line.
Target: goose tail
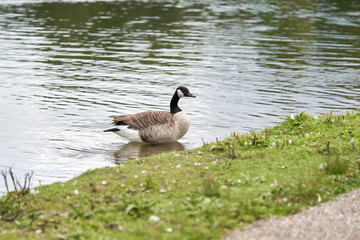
(112, 130)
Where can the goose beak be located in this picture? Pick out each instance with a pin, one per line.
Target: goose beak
(190, 95)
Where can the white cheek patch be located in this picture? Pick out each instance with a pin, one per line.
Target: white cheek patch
(180, 93)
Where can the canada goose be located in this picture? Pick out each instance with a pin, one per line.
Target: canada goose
(155, 126)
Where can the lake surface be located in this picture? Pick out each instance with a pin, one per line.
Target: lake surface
(66, 66)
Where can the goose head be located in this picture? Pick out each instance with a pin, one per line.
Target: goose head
(179, 93)
(183, 92)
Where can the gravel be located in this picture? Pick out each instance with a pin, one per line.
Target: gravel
(338, 219)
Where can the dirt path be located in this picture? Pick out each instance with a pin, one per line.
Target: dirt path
(338, 219)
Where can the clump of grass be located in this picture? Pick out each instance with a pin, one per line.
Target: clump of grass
(11, 204)
(302, 190)
(336, 165)
(10, 207)
(211, 188)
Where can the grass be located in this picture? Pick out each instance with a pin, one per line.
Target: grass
(197, 194)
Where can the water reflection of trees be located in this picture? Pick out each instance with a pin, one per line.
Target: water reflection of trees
(304, 32)
(92, 21)
(291, 32)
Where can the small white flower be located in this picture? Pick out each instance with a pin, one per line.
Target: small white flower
(154, 218)
(67, 197)
(283, 166)
(176, 155)
(141, 185)
(41, 216)
(62, 185)
(169, 229)
(239, 180)
(178, 166)
(197, 164)
(292, 116)
(104, 182)
(319, 197)
(290, 141)
(38, 231)
(143, 171)
(223, 188)
(74, 183)
(322, 166)
(174, 181)
(247, 177)
(206, 167)
(207, 200)
(34, 191)
(199, 152)
(76, 192)
(136, 176)
(122, 185)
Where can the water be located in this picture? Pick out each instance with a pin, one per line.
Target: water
(67, 65)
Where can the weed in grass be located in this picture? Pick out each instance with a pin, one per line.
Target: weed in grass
(83, 209)
(138, 207)
(149, 184)
(18, 187)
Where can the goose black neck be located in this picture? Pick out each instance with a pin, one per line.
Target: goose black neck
(174, 108)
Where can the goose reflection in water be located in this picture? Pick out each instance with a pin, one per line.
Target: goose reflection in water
(134, 150)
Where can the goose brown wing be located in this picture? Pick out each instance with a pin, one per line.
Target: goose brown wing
(145, 119)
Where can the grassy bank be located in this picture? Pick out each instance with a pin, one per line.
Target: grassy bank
(200, 193)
